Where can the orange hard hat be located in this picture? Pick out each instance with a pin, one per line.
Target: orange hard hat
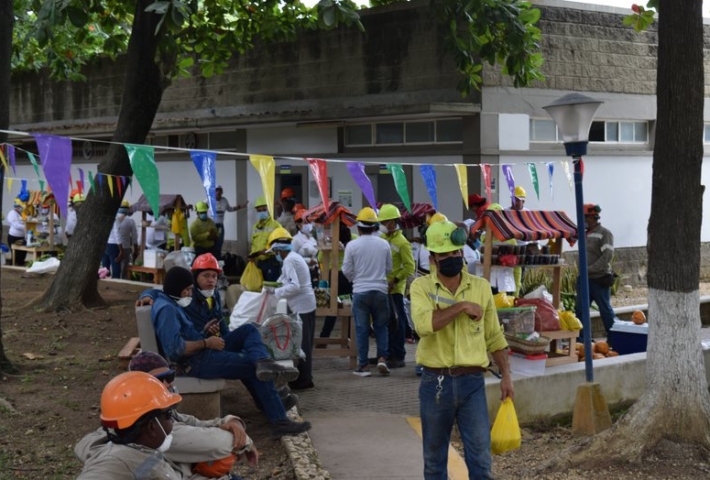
(287, 193)
(129, 396)
(206, 261)
(215, 468)
(592, 209)
(298, 206)
(300, 214)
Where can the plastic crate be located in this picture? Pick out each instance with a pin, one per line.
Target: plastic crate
(517, 321)
(527, 365)
(627, 337)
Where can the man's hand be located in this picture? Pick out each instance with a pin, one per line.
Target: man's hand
(270, 290)
(214, 343)
(473, 310)
(141, 302)
(506, 387)
(253, 456)
(212, 327)
(235, 427)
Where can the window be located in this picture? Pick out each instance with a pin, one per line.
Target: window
(543, 131)
(707, 133)
(600, 131)
(449, 130)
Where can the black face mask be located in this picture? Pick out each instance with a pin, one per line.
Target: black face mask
(450, 266)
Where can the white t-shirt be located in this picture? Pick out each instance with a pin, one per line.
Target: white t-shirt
(367, 262)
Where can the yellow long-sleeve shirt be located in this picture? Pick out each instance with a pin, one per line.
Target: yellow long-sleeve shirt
(402, 261)
(463, 342)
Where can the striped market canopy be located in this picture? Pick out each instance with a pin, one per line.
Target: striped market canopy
(318, 214)
(528, 225)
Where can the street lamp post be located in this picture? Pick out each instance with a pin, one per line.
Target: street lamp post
(573, 114)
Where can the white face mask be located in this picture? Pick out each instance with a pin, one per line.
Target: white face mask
(120, 216)
(307, 228)
(184, 301)
(207, 293)
(165, 446)
(384, 230)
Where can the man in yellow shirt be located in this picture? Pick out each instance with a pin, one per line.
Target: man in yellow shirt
(270, 268)
(456, 319)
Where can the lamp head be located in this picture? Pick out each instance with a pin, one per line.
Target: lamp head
(573, 114)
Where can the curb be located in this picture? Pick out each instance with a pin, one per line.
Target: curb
(303, 455)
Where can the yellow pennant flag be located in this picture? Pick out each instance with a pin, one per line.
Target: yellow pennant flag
(9, 184)
(463, 181)
(2, 158)
(266, 167)
(565, 165)
(109, 178)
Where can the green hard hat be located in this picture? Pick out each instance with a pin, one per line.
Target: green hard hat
(201, 207)
(388, 212)
(443, 237)
(260, 201)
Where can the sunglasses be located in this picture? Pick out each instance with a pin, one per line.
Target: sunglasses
(168, 414)
(168, 376)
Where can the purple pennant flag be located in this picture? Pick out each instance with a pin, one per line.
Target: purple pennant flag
(206, 162)
(55, 153)
(509, 178)
(81, 179)
(11, 157)
(550, 171)
(429, 176)
(357, 171)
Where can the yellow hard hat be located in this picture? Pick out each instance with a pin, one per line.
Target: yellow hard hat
(260, 202)
(443, 237)
(388, 212)
(78, 198)
(495, 206)
(201, 207)
(368, 216)
(125, 204)
(520, 192)
(278, 234)
(437, 217)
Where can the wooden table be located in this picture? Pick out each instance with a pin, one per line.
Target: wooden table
(143, 271)
(346, 344)
(553, 358)
(33, 250)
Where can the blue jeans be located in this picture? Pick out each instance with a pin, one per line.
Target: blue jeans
(243, 347)
(602, 297)
(220, 241)
(375, 304)
(462, 399)
(109, 259)
(397, 337)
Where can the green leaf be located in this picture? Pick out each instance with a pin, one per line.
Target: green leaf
(78, 17)
(328, 15)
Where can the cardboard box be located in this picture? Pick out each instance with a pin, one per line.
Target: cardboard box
(627, 337)
(518, 321)
(154, 258)
(527, 365)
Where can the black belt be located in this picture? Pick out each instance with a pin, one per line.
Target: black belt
(219, 224)
(456, 371)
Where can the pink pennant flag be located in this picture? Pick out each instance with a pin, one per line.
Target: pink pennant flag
(486, 174)
(319, 169)
(55, 153)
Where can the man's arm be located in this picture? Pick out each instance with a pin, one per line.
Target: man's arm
(506, 383)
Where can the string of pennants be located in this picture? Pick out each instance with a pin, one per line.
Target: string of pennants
(55, 153)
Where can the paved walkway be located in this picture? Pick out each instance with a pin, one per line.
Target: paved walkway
(367, 428)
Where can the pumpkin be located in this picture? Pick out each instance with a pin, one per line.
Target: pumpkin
(580, 352)
(612, 354)
(597, 356)
(601, 347)
(638, 317)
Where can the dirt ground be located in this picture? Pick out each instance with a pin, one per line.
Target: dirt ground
(66, 358)
(64, 361)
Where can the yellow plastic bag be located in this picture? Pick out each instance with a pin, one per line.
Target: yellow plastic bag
(505, 435)
(568, 321)
(503, 300)
(252, 278)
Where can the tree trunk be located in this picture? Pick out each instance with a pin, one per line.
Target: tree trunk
(6, 26)
(76, 281)
(675, 406)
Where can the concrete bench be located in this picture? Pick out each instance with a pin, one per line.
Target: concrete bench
(200, 396)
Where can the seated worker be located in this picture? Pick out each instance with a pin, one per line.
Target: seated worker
(305, 244)
(137, 415)
(269, 266)
(297, 289)
(239, 355)
(219, 442)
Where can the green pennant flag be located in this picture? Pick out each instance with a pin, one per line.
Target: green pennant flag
(92, 185)
(533, 177)
(41, 185)
(33, 160)
(142, 159)
(400, 183)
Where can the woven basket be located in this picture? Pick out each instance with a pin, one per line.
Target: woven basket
(526, 346)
